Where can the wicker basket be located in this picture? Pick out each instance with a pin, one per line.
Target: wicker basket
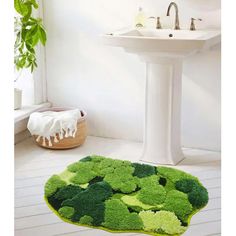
(70, 142)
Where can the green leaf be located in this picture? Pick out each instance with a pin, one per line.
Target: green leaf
(20, 7)
(21, 48)
(31, 33)
(27, 16)
(23, 34)
(33, 19)
(42, 36)
(29, 48)
(28, 64)
(35, 39)
(34, 3)
(22, 62)
(32, 68)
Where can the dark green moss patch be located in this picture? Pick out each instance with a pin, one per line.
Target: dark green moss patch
(198, 197)
(186, 185)
(95, 180)
(85, 159)
(162, 181)
(142, 170)
(197, 194)
(55, 203)
(90, 202)
(67, 192)
(121, 196)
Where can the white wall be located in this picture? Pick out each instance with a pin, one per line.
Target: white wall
(25, 82)
(109, 83)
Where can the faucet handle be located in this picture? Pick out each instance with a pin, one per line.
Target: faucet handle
(192, 25)
(158, 24)
(199, 19)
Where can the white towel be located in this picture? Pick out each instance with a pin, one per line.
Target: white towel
(47, 124)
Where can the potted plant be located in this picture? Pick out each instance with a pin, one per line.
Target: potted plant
(29, 32)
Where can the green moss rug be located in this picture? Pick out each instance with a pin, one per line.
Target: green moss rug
(120, 196)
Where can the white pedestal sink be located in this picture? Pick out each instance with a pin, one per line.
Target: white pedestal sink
(163, 52)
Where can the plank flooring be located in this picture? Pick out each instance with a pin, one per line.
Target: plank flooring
(34, 165)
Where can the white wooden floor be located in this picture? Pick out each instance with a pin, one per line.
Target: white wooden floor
(33, 166)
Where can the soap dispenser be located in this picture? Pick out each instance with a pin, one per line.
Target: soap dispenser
(140, 18)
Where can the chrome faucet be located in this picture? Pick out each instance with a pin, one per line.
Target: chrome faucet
(176, 14)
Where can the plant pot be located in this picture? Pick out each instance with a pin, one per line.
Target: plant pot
(17, 98)
(69, 142)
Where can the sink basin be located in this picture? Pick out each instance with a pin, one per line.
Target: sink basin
(170, 34)
(163, 52)
(175, 42)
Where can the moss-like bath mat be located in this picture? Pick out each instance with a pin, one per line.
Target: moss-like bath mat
(120, 196)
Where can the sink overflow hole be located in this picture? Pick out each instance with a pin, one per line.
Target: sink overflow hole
(170, 35)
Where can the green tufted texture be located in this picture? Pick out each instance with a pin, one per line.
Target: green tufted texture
(120, 196)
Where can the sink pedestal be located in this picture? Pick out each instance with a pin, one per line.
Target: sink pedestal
(162, 139)
(163, 56)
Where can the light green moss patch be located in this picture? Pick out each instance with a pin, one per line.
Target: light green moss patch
(151, 193)
(66, 212)
(149, 182)
(66, 176)
(121, 179)
(117, 216)
(178, 203)
(86, 220)
(174, 174)
(84, 172)
(53, 184)
(133, 201)
(164, 221)
(84, 185)
(152, 196)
